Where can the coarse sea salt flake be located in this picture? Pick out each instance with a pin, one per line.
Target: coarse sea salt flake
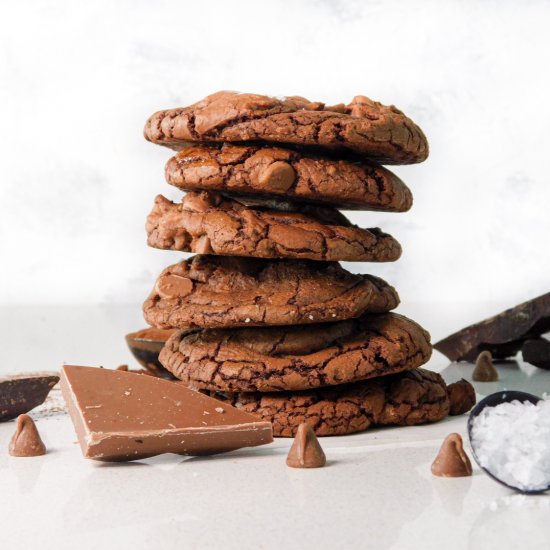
(512, 441)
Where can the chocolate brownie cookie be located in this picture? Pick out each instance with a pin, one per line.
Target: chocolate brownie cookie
(224, 291)
(296, 358)
(209, 223)
(275, 172)
(364, 126)
(405, 399)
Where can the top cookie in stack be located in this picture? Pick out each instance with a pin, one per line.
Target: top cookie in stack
(365, 127)
(297, 338)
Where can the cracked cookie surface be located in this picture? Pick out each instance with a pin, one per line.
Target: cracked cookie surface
(379, 132)
(224, 292)
(405, 399)
(209, 223)
(277, 172)
(296, 358)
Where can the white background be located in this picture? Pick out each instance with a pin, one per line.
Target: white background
(78, 80)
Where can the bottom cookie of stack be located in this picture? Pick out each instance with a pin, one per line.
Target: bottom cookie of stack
(405, 399)
(340, 378)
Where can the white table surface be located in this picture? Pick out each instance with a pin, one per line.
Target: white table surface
(376, 491)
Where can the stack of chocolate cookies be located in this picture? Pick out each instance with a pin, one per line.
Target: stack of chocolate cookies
(267, 318)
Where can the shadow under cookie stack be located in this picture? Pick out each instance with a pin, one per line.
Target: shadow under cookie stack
(267, 319)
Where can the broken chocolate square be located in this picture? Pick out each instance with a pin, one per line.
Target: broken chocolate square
(126, 416)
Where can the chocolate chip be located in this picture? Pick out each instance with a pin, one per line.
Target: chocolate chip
(26, 440)
(277, 176)
(306, 452)
(169, 286)
(485, 370)
(452, 461)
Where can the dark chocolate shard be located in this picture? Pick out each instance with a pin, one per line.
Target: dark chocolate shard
(537, 352)
(20, 394)
(121, 416)
(502, 334)
(26, 440)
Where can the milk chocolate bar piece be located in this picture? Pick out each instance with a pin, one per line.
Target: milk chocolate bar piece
(452, 460)
(537, 352)
(502, 335)
(20, 394)
(122, 416)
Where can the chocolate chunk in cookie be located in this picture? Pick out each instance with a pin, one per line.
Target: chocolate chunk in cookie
(274, 172)
(364, 126)
(404, 399)
(209, 223)
(222, 291)
(296, 358)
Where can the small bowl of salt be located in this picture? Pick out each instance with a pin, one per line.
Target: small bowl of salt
(509, 435)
